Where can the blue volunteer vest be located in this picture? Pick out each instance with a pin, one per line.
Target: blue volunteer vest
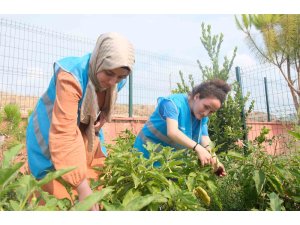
(155, 129)
(37, 134)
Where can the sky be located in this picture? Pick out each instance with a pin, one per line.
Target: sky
(174, 35)
(165, 32)
(167, 27)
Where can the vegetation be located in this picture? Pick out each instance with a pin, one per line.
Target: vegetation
(168, 180)
(227, 125)
(276, 39)
(12, 126)
(256, 181)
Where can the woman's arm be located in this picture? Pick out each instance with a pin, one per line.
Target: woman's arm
(179, 137)
(67, 147)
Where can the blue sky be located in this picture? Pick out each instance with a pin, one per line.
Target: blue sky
(165, 34)
(167, 27)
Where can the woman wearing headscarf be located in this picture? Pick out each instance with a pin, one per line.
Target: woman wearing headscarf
(64, 130)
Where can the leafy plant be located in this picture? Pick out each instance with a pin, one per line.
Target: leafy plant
(226, 126)
(278, 44)
(259, 180)
(168, 180)
(212, 45)
(12, 115)
(183, 87)
(24, 192)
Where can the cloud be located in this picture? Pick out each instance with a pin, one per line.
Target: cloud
(244, 60)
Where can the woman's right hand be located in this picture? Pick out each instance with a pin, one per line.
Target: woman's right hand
(99, 123)
(204, 156)
(84, 191)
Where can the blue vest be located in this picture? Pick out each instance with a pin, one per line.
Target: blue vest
(155, 129)
(37, 134)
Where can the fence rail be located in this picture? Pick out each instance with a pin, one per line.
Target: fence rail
(27, 54)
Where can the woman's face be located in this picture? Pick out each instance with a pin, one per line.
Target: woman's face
(108, 78)
(205, 106)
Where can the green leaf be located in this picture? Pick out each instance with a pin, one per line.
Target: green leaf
(235, 155)
(112, 207)
(176, 163)
(190, 182)
(295, 134)
(296, 198)
(14, 205)
(8, 174)
(212, 186)
(259, 179)
(25, 186)
(51, 205)
(10, 154)
(91, 200)
(131, 194)
(173, 189)
(158, 176)
(188, 201)
(275, 202)
(54, 175)
(120, 178)
(276, 183)
(136, 180)
(140, 202)
(246, 22)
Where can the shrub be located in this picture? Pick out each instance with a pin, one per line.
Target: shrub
(178, 183)
(12, 115)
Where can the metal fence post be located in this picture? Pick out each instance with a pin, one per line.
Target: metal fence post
(267, 99)
(239, 80)
(130, 96)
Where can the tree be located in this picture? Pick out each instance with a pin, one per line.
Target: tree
(278, 43)
(212, 45)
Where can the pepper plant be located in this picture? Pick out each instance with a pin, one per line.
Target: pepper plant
(168, 180)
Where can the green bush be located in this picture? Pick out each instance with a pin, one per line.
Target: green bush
(178, 183)
(259, 181)
(12, 114)
(17, 191)
(226, 125)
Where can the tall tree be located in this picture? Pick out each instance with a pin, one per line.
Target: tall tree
(278, 43)
(212, 45)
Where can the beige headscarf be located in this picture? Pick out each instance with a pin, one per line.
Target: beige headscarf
(111, 51)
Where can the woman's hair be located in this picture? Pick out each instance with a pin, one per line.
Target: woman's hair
(215, 88)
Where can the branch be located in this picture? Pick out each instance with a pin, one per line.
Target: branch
(288, 81)
(255, 45)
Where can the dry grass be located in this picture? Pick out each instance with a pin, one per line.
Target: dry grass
(27, 103)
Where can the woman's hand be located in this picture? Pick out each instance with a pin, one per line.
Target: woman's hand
(84, 191)
(100, 122)
(204, 156)
(218, 168)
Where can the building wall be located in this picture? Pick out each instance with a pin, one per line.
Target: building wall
(277, 129)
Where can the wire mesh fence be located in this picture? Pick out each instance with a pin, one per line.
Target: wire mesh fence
(27, 53)
(270, 92)
(274, 107)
